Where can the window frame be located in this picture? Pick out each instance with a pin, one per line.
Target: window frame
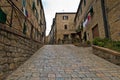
(65, 17)
(65, 27)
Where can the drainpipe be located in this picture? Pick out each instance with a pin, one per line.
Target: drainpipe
(106, 27)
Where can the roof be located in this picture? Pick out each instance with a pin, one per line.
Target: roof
(66, 13)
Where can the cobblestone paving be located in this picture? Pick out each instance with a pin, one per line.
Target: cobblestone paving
(66, 62)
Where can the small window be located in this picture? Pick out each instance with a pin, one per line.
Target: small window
(85, 36)
(24, 28)
(33, 6)
(66, 36)
(37, 2)
(3, 16)
(84, 2)
(24, 3)
(65, 26)
(81, 10)
(91, 11)
(36, 14)
(65, 17)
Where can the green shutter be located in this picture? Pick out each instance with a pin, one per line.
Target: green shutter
(24, 28)
(84, 2)
(33, 6)
(24, 3)
(3, 17)
(81, 10)
(37, 15)
(91, 10)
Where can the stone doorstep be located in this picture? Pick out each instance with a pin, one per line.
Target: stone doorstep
(106, 50)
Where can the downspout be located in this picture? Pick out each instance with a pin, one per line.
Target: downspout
(106, 27)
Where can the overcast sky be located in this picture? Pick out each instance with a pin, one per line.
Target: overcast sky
(53, 6)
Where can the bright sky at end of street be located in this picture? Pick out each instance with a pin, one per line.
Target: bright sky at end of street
(53, 6)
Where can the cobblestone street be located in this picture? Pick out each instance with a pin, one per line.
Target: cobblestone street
(66, 62)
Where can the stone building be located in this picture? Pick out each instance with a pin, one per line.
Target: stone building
(89, 21)
(64, 27)
(22, 32)
(93, 19)
(113, 18)
(26, 16)
(52, 34)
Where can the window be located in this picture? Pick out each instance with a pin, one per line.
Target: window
(84, 2)
(65, 17)
(66, 36)
(36, 14)
(91, 11)
(24, 28)
(85, 36)
(33, 6)
(73, 35)
(3, 16)
(81, 10)
(65, 26)
(24, 3)
(37, 2)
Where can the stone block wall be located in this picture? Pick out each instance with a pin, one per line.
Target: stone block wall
(15, 49)
(107, 54)
(113, 15)
(60, 25)
(96, 19)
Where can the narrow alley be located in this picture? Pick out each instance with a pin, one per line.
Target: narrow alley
(59, 39)
(66, 62)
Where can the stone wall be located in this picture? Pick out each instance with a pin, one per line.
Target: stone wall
(107, 54)
(113, 15)
(15, 49)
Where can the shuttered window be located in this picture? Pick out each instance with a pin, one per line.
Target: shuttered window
(3, 17)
